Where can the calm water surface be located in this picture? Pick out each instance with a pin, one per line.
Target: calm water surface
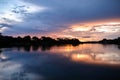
(83, 62)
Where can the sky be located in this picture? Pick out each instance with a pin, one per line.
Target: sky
(87, 20)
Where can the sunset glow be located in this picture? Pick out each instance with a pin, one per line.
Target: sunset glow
(99, 59)
(59, 39)
(43, 19)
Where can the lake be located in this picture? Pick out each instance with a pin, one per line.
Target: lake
(83, 62)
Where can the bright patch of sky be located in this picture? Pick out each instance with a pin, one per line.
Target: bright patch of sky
(14, 11)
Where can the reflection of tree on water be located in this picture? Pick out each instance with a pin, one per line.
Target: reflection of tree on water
(45, 48)
(35, 48)
(118, 46)
(27, 48)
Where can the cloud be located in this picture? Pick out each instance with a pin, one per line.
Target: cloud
(62, 13)
(86, 36)
(81, 9)
(16, 15)
(107, 28)
(49, 17)
(5, 25)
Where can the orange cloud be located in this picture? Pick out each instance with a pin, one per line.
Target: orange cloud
(94, 30)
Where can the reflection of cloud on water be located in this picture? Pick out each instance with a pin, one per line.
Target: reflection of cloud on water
(97, 58)
(13, 68)
(14, 71)
(112, 58)
(7, 68)
(2, 57)
(38, 65)
(91, 53)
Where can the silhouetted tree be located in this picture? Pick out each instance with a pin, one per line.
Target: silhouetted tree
(47, 41)
(35, 41)
(110, 41)
(35, 38)
(0, 34)
(27, 40)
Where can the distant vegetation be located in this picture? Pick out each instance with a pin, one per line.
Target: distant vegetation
(111, 41)
(26, 41)
(9, 41)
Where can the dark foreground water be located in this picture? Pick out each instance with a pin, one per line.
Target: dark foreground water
(83, 62)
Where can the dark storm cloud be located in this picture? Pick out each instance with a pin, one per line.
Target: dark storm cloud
(61, 13)
(80, 10)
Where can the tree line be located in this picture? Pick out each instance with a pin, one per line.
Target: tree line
(111, 41)
(9, 41)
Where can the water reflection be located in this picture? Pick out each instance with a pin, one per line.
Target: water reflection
(97, 58)
(60, 62)
(90, 53)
